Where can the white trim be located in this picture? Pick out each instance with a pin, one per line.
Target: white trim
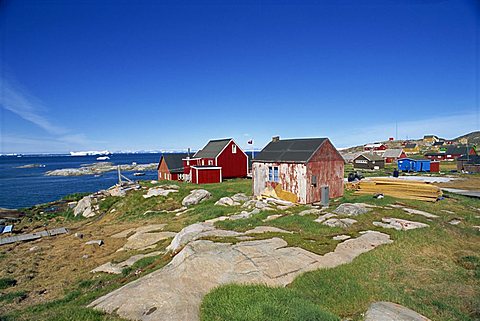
(221, 175)
(206, 167)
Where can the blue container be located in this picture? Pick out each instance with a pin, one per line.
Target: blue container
(413, 165)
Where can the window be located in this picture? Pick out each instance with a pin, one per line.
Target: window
(203, 162)
(234, 149)
(273, 174)
(210, 162)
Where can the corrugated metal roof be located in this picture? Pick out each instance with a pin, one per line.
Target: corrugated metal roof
(174, 162)
(290, 150)
(392, 153)
(213, 148)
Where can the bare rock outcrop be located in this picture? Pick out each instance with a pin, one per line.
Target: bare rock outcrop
(388, 311)
(351, 209)
(175, 292)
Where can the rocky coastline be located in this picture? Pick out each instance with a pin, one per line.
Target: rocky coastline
(100, 168)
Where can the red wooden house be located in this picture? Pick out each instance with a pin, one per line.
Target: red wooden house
(170, 167)
(376, 147)
(304, 167)
(219, 159)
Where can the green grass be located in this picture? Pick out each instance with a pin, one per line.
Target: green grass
(258, 302)
(7, 282)
(434, 271)
(11, 296)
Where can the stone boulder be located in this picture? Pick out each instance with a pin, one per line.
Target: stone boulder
(351, 209)
(240, 197)
(86, 207)
(388, 311)
(196, 196)
(226, 201)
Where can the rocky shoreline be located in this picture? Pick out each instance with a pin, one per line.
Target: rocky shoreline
(99, 168)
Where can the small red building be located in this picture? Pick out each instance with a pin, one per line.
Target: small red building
(299, 166)
(452, 153)
(206, 174)
(221, 155)
(170, 167)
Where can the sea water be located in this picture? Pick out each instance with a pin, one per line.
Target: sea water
(25, 187)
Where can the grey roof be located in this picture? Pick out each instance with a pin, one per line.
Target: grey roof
(371, 156)
(440, 143)
(411, 145)
(392, 153)
(458, 150)
(212, 149)
(290, 150)
(174, 162)
(470, 159)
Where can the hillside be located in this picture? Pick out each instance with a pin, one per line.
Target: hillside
(432, 270)
(473, 138)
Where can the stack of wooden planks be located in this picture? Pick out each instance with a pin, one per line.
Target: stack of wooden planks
(413, 190)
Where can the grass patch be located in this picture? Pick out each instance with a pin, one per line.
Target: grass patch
(7, 282)
(257, 302)
(11, 296)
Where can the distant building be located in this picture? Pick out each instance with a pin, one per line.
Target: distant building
(392, 155)
(369, 161)
(375, 147)
(469, 163)
(416, 165)
(299, 167)
(219, 159)
(437, 146)
(439, 156)
(349, 157)
(170, 167)
(430, 139)
(455, 151)
(411, 148)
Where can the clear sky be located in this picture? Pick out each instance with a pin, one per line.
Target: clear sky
(151, 75)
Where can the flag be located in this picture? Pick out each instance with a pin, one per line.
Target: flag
(250, 142)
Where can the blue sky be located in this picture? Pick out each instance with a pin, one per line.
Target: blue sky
(143, 75)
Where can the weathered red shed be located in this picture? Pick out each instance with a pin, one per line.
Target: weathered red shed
(299, 166)
(170, 167)
(222, 153)
(206, 174)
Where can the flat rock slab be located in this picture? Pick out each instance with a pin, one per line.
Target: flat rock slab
(399, 224)
(324, 217)
(175, 292)
(272, 217)
(418, 212)
(314, 211)
(266, 229)
(339, 222)
(227, 201)
(143, 237)
(341, 237)
(388, 311)
(158, 191)
(113, 268)
(351, 209)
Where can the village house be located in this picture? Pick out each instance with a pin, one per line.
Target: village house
(369, 161)
(170, 167)
(430, 139)
(438, 146)
(469, 163)
(438, 156)
(218, 160)
(375, 147)
(349, 157)
(303, 168)
(411, 148)
(455, 151)
(392, 155)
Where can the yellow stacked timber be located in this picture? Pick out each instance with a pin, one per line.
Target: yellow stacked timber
(399, 188)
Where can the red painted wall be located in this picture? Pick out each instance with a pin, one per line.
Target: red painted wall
(328, 165)
(206, 176)
(191, 162)
(434, 167)
(233, 165)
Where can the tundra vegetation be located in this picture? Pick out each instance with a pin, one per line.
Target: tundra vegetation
(434, 271)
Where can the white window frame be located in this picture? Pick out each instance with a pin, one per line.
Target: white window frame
(234, 149)
(272, 170)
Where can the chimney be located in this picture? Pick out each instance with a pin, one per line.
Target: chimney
(188, 154)
(275, 138)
